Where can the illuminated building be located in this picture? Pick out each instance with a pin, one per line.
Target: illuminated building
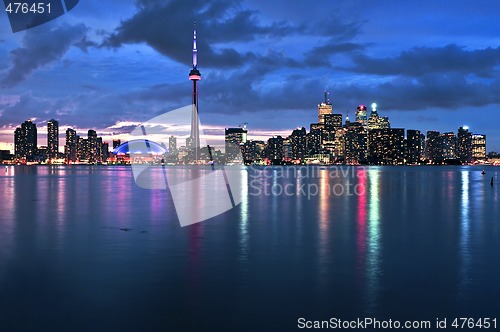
(324, 108)
(105, 151)
(93, 146)
(234, 140)
(333, 120)
(413, 146)
(274, 149)
(287, 149)
(478, 146)
(433, 146)
(252, 150)
(464, 145)
(71, 146)
(448, 146)
(361, 115)
(386, 146)
(314, 140)
(52, 139)
(377, 122)
(299, 143)
(172, 145)
(25, 141)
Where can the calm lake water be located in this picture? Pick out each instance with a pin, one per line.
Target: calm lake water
(84, 249)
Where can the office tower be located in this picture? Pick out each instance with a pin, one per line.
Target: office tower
(413, 146)
(274, 149)
(478, 146)
(18, 144)
(193, 141)
(234, 139)
(377, 122)
(52, 139)
(71, 146)
(105, 151)
(386, 146)
(83, 149)
(25, 141)
(323, 109)
(448, 146)
(299, 143)
(249, 150)
(116, 143)
(464, 145)
(253, 150)
(355, 144)
(314, 140)
(172, 145)
(361, 115)
(433, 150)
(287, 149)
(93, 147)
(333, 120)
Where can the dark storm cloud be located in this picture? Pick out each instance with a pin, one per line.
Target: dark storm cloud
(420, 61)
(450, 91)
(166, 27)
(41, 47)
(321, 55)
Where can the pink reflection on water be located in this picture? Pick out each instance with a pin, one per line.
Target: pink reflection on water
(361, 218)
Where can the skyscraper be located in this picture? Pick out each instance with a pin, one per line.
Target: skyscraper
(386, 146)
(361, 115)
(193, 141)
(234, 140)
(71, 147)
(478, 146)
(274, 149)
(413, 146)
(172, 145)
(448, 146)
(299, 143)
(25, 140)
(324, 108)
(377, 122)
(433, 146)
(52, 139)
(464, 145)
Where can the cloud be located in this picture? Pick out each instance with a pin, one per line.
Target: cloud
(446, 91)
(420, 61)
(41, 47)
(167, 28)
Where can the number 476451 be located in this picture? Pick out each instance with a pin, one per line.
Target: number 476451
(25, 8)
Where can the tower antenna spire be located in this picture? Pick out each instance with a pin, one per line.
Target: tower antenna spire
(195, 51)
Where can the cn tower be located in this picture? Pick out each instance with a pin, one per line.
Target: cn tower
(195, 76)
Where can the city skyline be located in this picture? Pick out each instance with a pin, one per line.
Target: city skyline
(259, 63)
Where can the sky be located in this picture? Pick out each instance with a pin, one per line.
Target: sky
(111, 65)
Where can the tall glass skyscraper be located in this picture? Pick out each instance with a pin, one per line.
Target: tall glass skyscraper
(52, 139)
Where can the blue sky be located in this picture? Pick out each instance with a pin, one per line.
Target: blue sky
(110, 65)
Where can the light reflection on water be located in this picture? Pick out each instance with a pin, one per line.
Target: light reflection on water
(88, 235)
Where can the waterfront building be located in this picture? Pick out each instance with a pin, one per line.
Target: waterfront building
(413, 146)
(464, 145)
(478, 146)
(234, 139)
(52, 139)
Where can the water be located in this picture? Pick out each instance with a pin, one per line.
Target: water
(84, 249)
